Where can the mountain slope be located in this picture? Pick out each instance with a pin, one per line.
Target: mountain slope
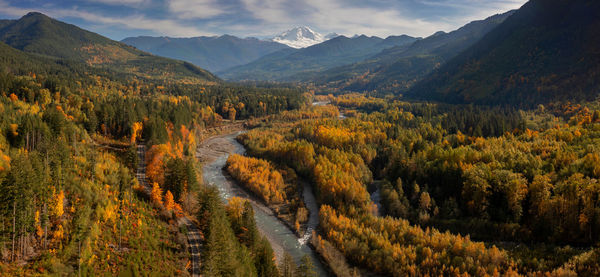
(286, 65)
(38, 34)
(397, 68)
(18, 62)
(549, 50)
(212, 53)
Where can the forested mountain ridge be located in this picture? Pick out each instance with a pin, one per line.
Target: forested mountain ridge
(212, 53)
(39, 34)
(292, 65)
(396, 69)
(546, 51)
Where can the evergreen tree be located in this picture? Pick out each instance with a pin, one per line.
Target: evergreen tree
(306, 268)
(287, 268)
(224, 255)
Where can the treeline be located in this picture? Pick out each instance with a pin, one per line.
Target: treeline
(469, 119)
(532, 185)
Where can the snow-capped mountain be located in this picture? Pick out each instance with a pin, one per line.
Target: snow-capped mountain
(301, 37)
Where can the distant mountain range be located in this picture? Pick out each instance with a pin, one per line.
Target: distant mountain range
(43, 36)
(220, 53)
(295, 64)
(364, 63)
(549, 50)
(212, 53)
(397, 68)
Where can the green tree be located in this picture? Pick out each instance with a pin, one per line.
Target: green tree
(287, 268)
(306, 268)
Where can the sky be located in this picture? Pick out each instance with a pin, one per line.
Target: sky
(118, 19)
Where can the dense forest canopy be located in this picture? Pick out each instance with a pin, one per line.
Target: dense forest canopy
(528, 174)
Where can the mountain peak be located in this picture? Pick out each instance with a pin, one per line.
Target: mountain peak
(35, 17)
(299, 37)
(34, 14)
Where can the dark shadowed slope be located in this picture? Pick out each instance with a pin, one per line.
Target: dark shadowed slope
(398, 68)
(549, 50)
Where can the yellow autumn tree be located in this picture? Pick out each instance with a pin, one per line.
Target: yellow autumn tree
(58, 208)
(4, 161)
(169, 202)
(135, 131)
(58, 233)
(231, 113)
(156, 194)
(13, 129)
(235, 207)
(38, 225)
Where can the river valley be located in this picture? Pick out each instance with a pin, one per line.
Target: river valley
(213, 152)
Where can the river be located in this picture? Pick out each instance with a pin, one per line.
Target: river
(214, 152)
(323, 103)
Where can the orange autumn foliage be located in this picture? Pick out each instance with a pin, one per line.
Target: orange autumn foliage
(156, 194)
(135, 131)
(407, 249)
(13, 97)
(258, 176)
(169, 202)
(155, 162)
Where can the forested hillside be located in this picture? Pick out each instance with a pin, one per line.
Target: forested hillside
(398, 68)
(38, 34)
(546, 51)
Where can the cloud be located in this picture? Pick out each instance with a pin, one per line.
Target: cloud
(13, 11)
(138, 22)
(379, 21)
(463, 11)
(375, 17)
(269, 11)
(120, 2)
(339, 16)
(267, 17)
(195, 9)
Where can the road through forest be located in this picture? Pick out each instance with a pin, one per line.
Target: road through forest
(193, 233)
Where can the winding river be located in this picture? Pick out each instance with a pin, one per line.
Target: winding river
(214, 152)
